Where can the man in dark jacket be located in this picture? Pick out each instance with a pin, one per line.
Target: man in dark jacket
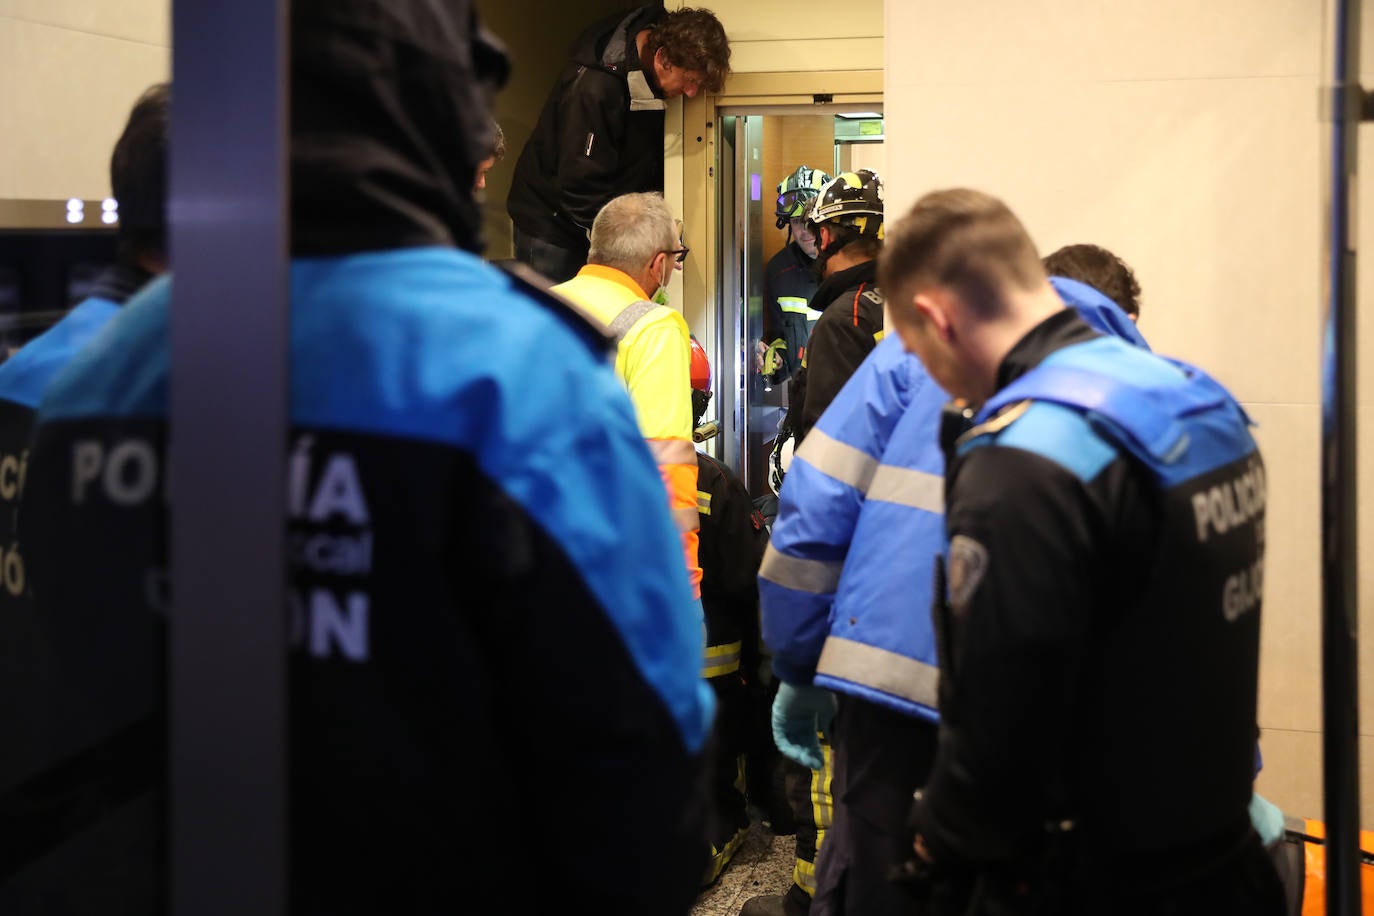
(484, 581)
(600, 134)
(1105, 520)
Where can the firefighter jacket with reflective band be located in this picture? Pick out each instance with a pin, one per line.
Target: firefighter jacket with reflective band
(483, 578)
(599, 135)
(1106, 524)
(654, 361)
(860, 522)
(23, 379)
(788, 285)
(850, 326)
(733, 538)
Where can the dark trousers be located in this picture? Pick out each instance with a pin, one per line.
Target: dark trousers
(554, 263)
(881, 758)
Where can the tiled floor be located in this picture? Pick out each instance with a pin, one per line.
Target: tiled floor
(763, 865)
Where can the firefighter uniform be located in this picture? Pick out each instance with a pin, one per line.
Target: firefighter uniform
(732, 541)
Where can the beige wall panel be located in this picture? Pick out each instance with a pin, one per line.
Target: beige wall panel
(9, 124)
(779, 20)
(806, 54)
(1290, 660)
(1205, 187)
(146, 21)
(1365, 419)
(1292, 774)
(1049, 41)
(70, 95)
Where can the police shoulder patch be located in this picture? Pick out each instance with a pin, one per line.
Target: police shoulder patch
(968, 563)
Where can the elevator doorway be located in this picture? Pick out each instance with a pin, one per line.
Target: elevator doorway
(757, 149)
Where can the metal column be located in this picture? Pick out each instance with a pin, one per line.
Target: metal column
(1340, 558)
(227, 447)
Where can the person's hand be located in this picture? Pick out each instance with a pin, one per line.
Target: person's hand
(771, 357)
(799, 712)
(919, 845)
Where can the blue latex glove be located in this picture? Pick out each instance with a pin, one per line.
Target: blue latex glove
(798, 714)
(1267, 819)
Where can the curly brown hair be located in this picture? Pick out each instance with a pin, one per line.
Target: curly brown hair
(695, 40)
(1100, 269)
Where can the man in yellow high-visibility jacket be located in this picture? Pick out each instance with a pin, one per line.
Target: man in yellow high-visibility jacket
(634, 249)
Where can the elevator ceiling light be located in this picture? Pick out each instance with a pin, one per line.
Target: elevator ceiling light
(109, 205)
(859, 115)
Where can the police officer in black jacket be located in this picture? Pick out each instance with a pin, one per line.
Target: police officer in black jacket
(1100, 632)
(600, 133)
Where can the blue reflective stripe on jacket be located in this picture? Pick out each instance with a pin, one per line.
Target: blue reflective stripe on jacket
(25, 375)
(870, 635)
(416, 344)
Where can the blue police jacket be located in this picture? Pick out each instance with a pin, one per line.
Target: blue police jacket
(845, 582)
(465, 605)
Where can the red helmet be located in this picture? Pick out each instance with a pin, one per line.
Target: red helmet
(700, 372)
(701, 366)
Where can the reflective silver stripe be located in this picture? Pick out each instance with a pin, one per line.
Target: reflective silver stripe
(721, 659)
(672, 451)
(880, 669)
(834, 458)
(793, 304)
(620, 325)
(687, 518)
(906, 487)
(815, 576)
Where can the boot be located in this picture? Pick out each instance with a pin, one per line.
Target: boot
(795, 902)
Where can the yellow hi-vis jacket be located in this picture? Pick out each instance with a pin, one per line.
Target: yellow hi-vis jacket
(653, 362)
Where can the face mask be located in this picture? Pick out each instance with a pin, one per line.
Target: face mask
(661, 296)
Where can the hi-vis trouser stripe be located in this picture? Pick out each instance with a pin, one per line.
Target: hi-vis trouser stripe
(794, 304)
(703, 502)
(823, 810)
(723, 659)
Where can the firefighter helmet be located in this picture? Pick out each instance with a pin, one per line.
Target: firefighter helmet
(853, 199)
(796, 191)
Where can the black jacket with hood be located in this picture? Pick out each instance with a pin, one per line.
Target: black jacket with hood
(600, 135)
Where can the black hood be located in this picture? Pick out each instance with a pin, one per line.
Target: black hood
(391, 111)
(609, 43)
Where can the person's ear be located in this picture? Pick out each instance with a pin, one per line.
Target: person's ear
(937, 307)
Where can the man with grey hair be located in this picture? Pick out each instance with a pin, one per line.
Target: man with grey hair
(635, 246)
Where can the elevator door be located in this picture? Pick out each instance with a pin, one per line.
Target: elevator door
(757, 151)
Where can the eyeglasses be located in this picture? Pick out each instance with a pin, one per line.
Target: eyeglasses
(679, 254)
